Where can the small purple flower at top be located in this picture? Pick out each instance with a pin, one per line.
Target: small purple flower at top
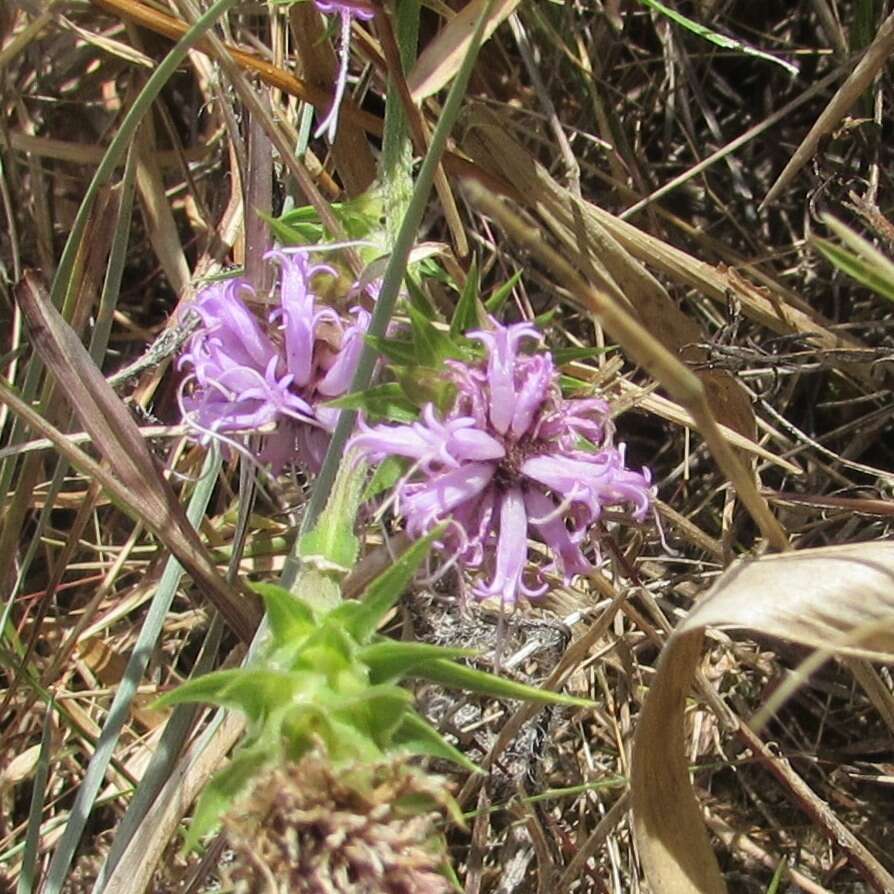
(248, 376)
(347, 10)
(512, 459)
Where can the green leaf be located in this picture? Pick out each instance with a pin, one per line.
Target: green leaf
(570, 385)
(567, 355)
(418, 300)
(720, 40)
(377, 711)
(545, 319)
(386, 401)
(388, 473)
(469, 679)
(384, 591)
(466, 315)
(426, 385)
(290, 618)
(416, 736)
(300, 226)
(860, 260)
(331, 545)
(329, 650)
(390, 660)
(393, 349)
(219, 794)
(433, 346)
(495, 303)
(254, 691)
(857, 268)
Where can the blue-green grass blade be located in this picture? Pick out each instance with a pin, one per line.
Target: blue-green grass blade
(28, 872)
(120, 707)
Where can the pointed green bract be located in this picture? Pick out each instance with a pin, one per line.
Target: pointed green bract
(467, 678)
(289, 617)
(394, 349)
(254, 691)
(380, 402)
(415, 736)
(387, 588)
(433, 346)
(221, 791)
(469, 311)
(495, 303)
(390, 660)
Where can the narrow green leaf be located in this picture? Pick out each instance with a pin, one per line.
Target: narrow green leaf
(544, 320)
(332, 546)
(466, 316)
(386, 401)
(393, 349)
(863, 271)
(387, 588)
(28, 872)
(495, 303)
(419, 302)
(300, 226)
(252, 691)
(416, 736)
(567, 355)
(432, 345)
(720, 40)
(390, 660)
(469, 679)
(289, 617)
(219, 794)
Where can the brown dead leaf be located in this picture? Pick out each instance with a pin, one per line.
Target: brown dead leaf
(441, 59)
(839, 599)
(598, 253)
(139, 480)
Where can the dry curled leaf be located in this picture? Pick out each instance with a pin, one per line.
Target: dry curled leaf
(839, 599)
(442, 58)
(134, 472)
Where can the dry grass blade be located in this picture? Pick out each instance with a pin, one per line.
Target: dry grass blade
(591, 246)
(649, 353)
(850, 91)
(837, 598)
(117, 436)
(133, 873)
(270, 74)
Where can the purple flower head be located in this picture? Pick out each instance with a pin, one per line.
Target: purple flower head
(248, 376)
(512, 459)
(347, 10)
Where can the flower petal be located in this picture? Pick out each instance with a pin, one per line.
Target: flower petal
(555, 535)
(512, 549)
(438, 497)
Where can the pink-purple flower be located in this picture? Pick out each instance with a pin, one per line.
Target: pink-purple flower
(347, 10)
(512, 459)
(269, 377)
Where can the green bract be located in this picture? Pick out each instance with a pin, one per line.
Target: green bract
(328, 680)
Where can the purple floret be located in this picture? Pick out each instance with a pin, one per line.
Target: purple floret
(347, 10)
(512, 459)
(248, 376)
